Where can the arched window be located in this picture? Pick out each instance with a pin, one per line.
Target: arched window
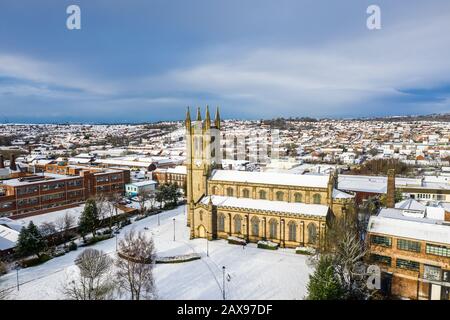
(292, 227)
(280, 196)
(316, 198)
(273, 229)
(214, 190)
(262, 194)
(237, 223)
(229, 191)
(255, 226)
(312, 233)
(201, 215)
(298, 197)
(246, 193)
(221, 222)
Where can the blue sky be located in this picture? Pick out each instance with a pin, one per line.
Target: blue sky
(136, 61)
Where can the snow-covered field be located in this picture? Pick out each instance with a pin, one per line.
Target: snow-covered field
(253, 273)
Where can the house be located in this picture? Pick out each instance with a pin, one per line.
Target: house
(136, 188)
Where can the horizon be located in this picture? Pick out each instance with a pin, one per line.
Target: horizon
(145, 62)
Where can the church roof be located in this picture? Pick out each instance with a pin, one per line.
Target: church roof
(286, 179)
(267, 205)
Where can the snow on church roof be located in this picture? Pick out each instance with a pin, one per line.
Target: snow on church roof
(287, 179)
(267, 205)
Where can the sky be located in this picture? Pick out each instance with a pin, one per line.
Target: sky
(147, 60)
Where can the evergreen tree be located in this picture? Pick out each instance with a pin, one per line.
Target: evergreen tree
(324, 283)
(173, 193)
(89, 220)
(30, 241)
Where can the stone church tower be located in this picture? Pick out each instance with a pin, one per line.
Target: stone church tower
(203, 152)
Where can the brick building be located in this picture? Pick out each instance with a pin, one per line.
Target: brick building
(412, 247)
(40, 193)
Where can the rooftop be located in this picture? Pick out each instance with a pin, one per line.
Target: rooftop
(267, 205)
(287, 179)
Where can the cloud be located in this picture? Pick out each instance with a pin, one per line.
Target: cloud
(357, 73)
(40, 74)
(402, 68)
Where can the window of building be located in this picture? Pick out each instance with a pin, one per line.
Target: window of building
(221, 222)
(408, 264)
(381, 241)
(237, 224)
(317, 198)
(432, 273)
(280, 196)
(292, 227)
(246, 193)
(230, 192)
(408, 245)
(436, 250)
(312, 233)
(255, 226)
(298, 197)
(262, 194)
(273, 229)
(214, 190)
(381, 259)
(74, 183)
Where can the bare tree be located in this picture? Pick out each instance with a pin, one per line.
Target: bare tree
(347, 250)
(93, 282)
(101, 204)
(143, 197)
(64, 224)
(112, 200)
(135, 266)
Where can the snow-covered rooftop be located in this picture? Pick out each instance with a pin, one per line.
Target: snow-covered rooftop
(8, 238)
(393, 222)
(267, 205)
(314, 181)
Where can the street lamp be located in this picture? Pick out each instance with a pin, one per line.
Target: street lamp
(223, 283)
(116, 242)
(173, 229)
(17, 267)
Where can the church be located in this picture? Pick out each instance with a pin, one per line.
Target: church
(289, 209)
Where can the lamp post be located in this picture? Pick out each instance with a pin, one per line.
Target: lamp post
(116, 242)
(223, 283)
(173, 229)
(17, 267)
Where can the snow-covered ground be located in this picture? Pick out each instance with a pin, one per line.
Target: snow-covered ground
(253, 273)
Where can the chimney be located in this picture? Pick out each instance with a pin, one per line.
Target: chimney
(2, 162)
(12, 163)
(390, 194)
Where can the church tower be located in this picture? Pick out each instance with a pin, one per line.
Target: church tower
(203, 147)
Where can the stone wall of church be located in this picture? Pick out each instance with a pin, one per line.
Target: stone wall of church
(269, 192)
(286, 229)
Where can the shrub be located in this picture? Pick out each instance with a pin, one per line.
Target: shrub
(236, 240)
(26, 263)
(305, 250)
(72, 246)
(125, 223)
(269, 245)
(93, 240)
(3, 268)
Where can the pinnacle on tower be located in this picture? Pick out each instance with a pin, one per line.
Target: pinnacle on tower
(199, 116)
(188, 119)
(207, 119)
(217, 119)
